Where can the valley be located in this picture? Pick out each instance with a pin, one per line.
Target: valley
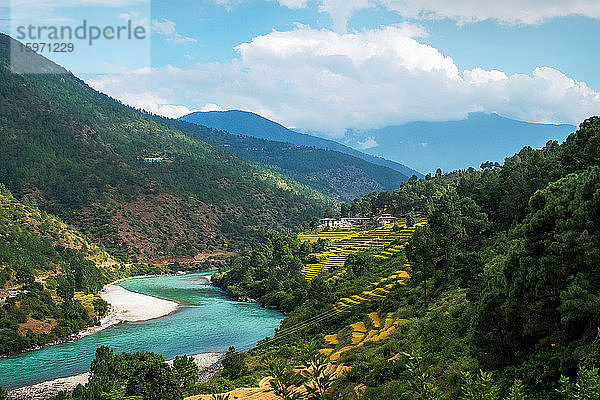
(173, 252)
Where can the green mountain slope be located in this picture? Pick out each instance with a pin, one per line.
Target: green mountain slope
(336, 174)
(43, 262)
(79, 154)
(243, 123)
(503, 278)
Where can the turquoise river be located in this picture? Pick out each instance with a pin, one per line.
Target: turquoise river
(207, 321)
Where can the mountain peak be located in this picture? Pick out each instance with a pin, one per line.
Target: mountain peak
(245, 123)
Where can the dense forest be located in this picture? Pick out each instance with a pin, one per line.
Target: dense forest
(333, 173)
(54, 272)
(33, 244)
(80, 155)
(503, 296)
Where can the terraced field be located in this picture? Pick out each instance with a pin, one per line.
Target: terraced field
(375, 290)
(373, 329)
(348, 242)
(264, 390)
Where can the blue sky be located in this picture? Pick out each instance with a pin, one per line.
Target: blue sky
(330, 65)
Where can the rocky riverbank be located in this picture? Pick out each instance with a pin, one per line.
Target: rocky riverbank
(209, 365)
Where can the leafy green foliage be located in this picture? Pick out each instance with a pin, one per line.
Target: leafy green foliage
(79, 154)
(586, 387)
(137, 376)
(234, 363)
(186, 372)
(336, 174)
(419, 380)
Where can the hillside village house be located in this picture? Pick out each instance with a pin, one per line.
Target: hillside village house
(347, 222)
(385, 219)
(333, 223)
(153, 159)
(355, 220)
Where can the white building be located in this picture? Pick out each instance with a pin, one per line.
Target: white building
(347, 222)
(385, 219)
(334, 223)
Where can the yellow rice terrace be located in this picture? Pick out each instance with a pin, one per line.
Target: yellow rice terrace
(385, 240)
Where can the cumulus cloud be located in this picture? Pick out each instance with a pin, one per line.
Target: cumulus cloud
(368, 143)
(462, 11)
(167, 28)
(325, 81)
(293, 4)
(479, 76)
(507, 11)
(139, 93)
(211, 107)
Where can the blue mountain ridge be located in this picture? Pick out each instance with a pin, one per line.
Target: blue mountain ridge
(423, 145)
(452, 145)
(243, 123)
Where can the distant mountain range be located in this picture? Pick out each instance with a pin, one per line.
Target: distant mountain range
(424, 146)
(243, 123)
(336, 174)
(451, 145)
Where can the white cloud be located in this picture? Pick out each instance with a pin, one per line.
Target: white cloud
(167, 28)
(211, 107)
(462, 11)
(138, 93)
(507, 11)
(341, 10)
(479, 76)
(172, 110)
(324, 81)
(293, 4)
(368, 143)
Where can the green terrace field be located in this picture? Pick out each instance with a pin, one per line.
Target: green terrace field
(373, 329)
(385, 240)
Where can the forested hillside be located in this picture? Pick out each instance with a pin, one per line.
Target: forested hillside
(501, 303)
(336, 174)
(80, 155)
(49, 277)
(243, 123)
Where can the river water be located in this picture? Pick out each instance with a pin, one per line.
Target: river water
(207, 321)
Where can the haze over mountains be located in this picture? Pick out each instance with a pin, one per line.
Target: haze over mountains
(451, 145)
(424, 146)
